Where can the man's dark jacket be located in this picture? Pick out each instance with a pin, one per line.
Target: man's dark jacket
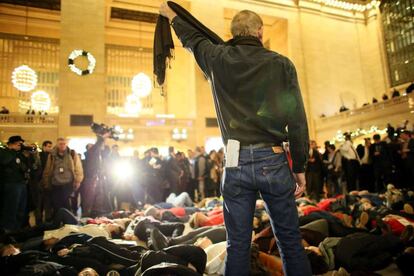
(13, 166)
(256, 91)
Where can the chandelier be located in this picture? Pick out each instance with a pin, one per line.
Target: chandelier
(141, 85)
(40, 101)
(24, 78)
(133, 105)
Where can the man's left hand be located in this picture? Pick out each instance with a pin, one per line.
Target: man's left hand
(300, 184)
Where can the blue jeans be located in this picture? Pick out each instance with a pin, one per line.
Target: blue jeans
(181, 200)
(261, 170)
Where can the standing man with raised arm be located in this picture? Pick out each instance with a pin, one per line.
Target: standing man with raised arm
(259, 106)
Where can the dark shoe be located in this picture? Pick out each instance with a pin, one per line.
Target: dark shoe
(157, 241)
(179, 230)
(142, 229)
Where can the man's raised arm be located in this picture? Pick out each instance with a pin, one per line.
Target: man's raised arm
(191, 38)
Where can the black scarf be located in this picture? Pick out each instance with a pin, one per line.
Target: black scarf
(163, 42)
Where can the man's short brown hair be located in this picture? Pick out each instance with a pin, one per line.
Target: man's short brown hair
(246, 23)
(60, 139)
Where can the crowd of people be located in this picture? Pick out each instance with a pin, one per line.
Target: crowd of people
(369, 166)
(56, 177)
(356, 216)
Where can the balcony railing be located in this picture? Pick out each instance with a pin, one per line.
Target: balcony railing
(406, 101)
(394, 111)
(27, 120)
(149, 122)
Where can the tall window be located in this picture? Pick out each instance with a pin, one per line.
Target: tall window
(398, 22)
(41, 54)
(122, 64)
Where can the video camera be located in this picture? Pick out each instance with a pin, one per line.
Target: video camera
(102, 129)
(28, 148)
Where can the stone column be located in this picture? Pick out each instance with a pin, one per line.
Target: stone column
(82, 27)
(213, 17)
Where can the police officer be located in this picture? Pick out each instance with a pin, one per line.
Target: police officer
(14, 175)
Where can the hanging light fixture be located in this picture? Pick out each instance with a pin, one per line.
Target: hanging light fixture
(24, 78)
(133, 105)
(141, 85)
(40, 101)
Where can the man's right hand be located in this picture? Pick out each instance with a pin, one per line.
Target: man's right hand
(166, 11)
(300, 184)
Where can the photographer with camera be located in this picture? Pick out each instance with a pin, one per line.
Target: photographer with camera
(157, 180)
(43, 201)
(94, 198)
(62, 174)
(14, 176)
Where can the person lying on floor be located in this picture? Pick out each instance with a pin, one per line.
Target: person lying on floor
(213, 241)
(261, 220)
(339, 224)
(312, 233)
(175, 214)
(43, 236)
(209, 203)
(186, 255)
(80, 251)
(41, 239)
(15, 262)
(108, 231)
(387, 221)
(214, 217)
(217, 252)
(127, 261)
(157, 240)
(378, 215)
(182, 200)
(393, 198)
(362, 251)
(141, 226)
